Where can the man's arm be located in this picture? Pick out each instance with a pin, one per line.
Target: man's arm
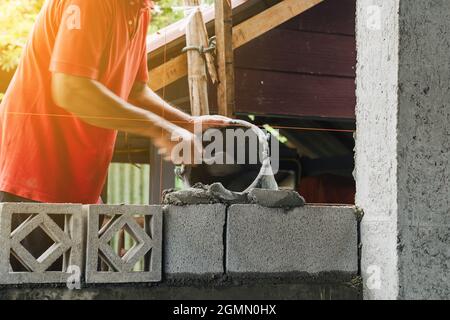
(142, 96)
(97, 105)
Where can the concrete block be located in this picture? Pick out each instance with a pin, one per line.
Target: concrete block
(61, 223)
(143, 224)
(307, 240)
(193, 239)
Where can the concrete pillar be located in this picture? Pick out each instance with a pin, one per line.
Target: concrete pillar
(403, 147)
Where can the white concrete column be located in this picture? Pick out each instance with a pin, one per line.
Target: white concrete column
(403, 147)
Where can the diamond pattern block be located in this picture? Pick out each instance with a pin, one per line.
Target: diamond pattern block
(20, 265)
(143, 224)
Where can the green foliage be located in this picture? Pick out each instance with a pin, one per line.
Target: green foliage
(167, 14)
(17, 18)
(16, 21)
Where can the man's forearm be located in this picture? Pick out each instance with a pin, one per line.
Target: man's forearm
(142, 96)
(95, 104)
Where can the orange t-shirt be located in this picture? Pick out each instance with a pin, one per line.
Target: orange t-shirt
(46, 153)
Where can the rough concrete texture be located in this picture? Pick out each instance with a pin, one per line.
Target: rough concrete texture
(403, 147)
(310, 240)
(217, 193)
(68, 242)
(148, 243)
(376, 146)
(198, 194)
(266, 289)
(424, 150)
(275, 198)
(193, 240)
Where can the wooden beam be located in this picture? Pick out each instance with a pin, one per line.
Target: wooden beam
(168, 72)
(225, 59)
(269, 19)
(243, 33)
(196, 37)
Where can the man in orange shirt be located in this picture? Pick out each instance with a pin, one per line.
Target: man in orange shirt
(82, 76)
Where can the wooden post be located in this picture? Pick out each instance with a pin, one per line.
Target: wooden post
(197, 37)
(162, 176)
(225, 59)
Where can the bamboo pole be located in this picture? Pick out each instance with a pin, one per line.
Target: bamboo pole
(196, 37)
(225, 58)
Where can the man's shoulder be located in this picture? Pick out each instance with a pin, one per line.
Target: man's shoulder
(99, 7)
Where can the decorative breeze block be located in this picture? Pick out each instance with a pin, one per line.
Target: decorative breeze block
(141, 262)
(26, 228)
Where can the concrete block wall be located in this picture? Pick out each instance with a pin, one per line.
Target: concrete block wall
(210, 241)
(255, 241)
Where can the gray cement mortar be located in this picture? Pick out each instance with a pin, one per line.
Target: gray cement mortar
(222, 289)
(216, 193)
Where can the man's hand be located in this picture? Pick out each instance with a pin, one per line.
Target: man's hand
(189, 140)
(170, 144)
(213, 121)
